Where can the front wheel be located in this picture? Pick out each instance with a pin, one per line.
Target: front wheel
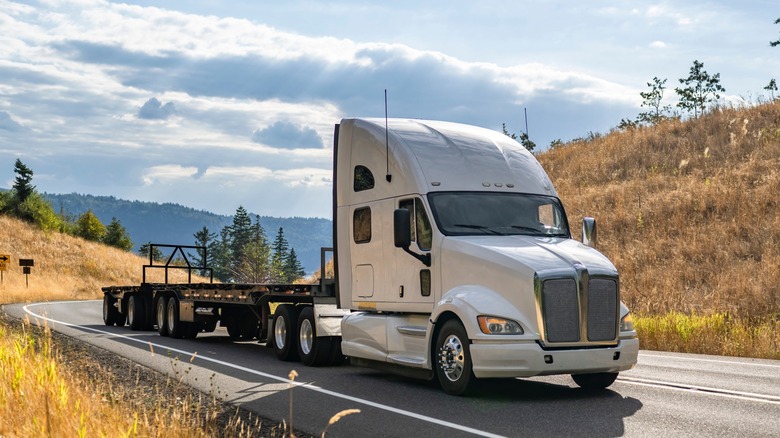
(595, 381)
(453, 359)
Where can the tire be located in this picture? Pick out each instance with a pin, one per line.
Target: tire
(175, 327)
(109, 310)
(453, 359)
(336, 356)
(314, 351)
(190, 329)
(595, 381)
(161, 314)
(285, 333)
(136, 312)
(120, 319)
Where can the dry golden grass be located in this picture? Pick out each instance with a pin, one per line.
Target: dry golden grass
(687, 211)
(66, 267)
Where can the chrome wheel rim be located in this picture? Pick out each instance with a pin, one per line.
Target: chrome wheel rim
(160, 312)
(131, 310)
(452, 358)
(306, 337)
(171, 316)
(280, 332)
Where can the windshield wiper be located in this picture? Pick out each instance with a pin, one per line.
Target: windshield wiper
(478, 227)
(537, 231)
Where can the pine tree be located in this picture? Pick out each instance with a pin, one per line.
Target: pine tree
(652, 99)
(116, 236)
(293, 270)
(89, 227)
(700, 89)
(221, 257)
(22, 183)
(240, 235)
(203, 257)
(254, 264)
(280, 248)
(143, 251)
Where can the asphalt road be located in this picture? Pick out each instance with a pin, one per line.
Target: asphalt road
(666, 394)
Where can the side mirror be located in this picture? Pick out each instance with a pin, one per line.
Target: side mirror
(402, 235)
(589, 231)
(402, 228)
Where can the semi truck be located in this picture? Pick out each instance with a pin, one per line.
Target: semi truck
(453, 260)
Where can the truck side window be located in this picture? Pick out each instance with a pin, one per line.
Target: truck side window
(364, 179)
(361, 225)
(418, 220)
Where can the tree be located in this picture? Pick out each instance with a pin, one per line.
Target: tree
(293, 269)
(143, 251)
(203, 257)
(775, 43)
(38, 211)
(522, 139)
(22, 184)
(771, 88)
(700, 89)
(116, 236)
(89, 227)
(240, 235)
(652, 99)
(279, 257)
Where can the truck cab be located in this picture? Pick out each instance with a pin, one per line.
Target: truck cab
(455, 255)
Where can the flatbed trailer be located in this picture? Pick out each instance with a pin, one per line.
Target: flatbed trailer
(299, 321)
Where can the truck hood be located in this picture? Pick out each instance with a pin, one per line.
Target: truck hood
(544, 256)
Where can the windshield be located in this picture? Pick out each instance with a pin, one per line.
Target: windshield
(487, 213)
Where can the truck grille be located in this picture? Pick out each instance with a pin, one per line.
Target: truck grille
(563, 310)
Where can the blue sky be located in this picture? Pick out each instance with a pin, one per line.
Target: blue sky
(215, 104)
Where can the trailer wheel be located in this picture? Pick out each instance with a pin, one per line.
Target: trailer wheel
(285, 325)
(109, 315)
(314, 351)
(175, 328)
(453, 359)
(136, 312)
(595, 381)
(161, 312)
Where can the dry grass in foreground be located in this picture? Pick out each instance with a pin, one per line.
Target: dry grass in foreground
(49, 393)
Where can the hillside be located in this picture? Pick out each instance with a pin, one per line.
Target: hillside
(66, 267)
(688, 211)
(175, 224)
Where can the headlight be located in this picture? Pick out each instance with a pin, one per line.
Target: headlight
(626, 323)
(491, 325)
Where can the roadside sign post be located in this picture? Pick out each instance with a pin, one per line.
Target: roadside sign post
(26, 264)
(4, 260)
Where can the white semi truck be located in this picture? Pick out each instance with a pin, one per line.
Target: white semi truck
(453, 260)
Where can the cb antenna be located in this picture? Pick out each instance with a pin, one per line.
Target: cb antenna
(388, 177)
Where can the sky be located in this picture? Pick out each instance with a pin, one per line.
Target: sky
(219, 104)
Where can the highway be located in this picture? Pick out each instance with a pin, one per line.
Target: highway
(666, 394)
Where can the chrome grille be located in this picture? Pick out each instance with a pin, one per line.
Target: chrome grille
(561, 310)
(602, 309)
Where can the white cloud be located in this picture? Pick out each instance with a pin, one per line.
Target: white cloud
(657, 45)
(167, 173)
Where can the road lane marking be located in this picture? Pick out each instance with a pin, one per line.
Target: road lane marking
(750, 396)
(267, 376)
(727, 362)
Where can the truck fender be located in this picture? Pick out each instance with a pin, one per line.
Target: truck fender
(470, 301)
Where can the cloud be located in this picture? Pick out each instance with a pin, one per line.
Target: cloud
(168, 173)
(8, 123)
(154, 109)
(286, 135)
(658, 45)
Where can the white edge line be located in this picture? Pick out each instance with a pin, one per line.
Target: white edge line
(729, 362)
(269, 376)
(703, 390)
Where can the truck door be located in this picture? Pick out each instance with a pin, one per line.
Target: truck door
(414, 280)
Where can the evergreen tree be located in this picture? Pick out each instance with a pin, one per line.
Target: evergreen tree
(775, 43)
(771, 88)
(279, 257)
(221, 260)
(293, 270)
(700, 89)
(203, 257)
(240, 235)
(22, 183)
(89, 227)
(652, 99)
(116, 236)
(143, 251)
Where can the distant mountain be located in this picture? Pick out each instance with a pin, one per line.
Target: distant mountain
(175, 224)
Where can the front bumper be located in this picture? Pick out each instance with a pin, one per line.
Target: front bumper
(526, 359)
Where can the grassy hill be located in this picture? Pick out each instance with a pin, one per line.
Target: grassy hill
(66, 267)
